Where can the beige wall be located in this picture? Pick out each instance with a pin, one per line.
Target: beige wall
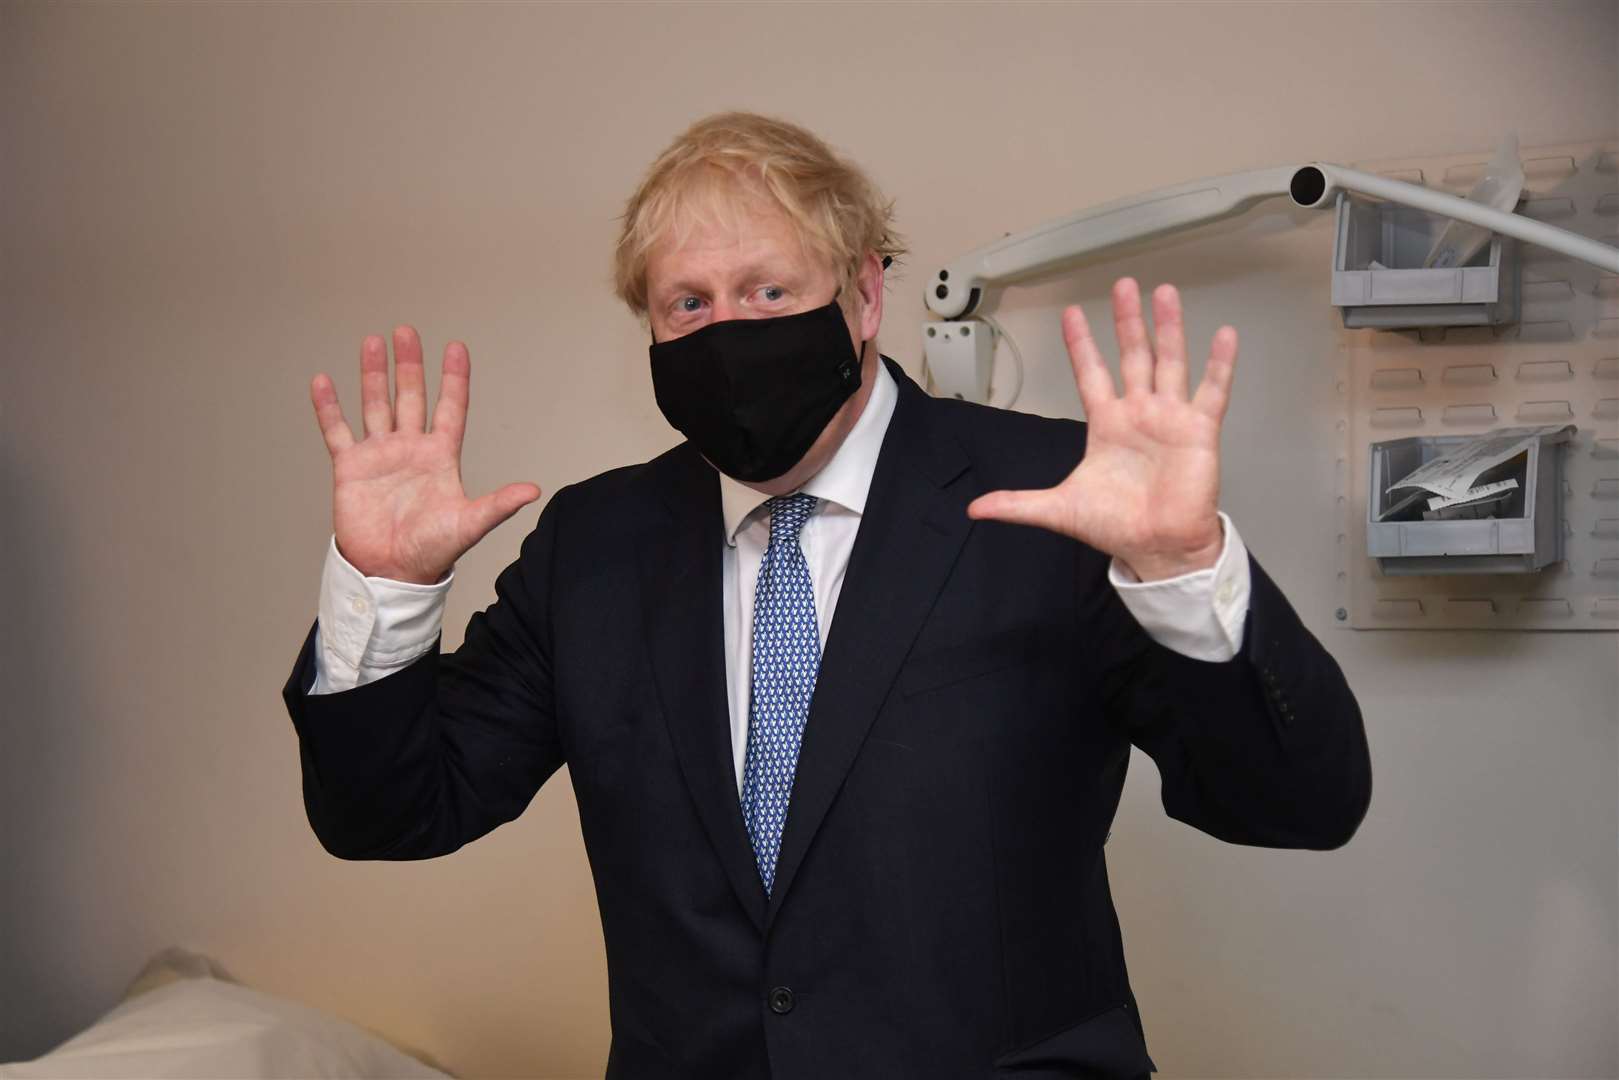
(204, 205)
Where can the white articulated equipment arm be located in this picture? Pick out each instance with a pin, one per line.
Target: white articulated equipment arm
(958, 287)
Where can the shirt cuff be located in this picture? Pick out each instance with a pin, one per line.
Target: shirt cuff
(1201, 614)
(371, 626)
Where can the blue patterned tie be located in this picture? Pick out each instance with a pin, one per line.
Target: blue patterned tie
(786, 657)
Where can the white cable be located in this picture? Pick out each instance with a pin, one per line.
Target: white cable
(1017, 358)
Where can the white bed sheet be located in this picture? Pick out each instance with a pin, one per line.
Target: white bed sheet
(195, 1027)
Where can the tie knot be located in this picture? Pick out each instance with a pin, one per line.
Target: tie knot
(788, 514)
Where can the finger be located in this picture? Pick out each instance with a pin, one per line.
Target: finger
(495, 507)
(374, 407)
(1094, 380)
(1214, 392)
(1135, 355)
(329, 415)
(1039, 507)
(1169, 337)
(410, 389)
(450, 415)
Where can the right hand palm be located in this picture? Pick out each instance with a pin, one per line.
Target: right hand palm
(398, 508)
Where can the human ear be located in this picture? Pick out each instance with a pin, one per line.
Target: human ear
(869, 281)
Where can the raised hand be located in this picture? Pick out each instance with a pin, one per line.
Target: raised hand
(398, 508)
(1147, 488)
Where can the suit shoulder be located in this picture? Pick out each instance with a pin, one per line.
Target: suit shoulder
(610, 493)
(992, 435)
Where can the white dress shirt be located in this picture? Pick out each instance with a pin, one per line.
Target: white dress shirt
(370, 627)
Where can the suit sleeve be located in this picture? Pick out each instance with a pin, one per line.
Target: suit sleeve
(1267, 748)
(437, 754)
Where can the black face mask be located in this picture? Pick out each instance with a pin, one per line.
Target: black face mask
(753, 395)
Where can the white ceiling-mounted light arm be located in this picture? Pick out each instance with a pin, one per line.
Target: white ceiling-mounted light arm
(958, 287)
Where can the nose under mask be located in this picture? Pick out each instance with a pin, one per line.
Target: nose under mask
(752, 395)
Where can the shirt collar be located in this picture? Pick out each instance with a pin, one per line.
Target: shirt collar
(844, 480)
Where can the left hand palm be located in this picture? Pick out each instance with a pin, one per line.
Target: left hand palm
(1147, 488)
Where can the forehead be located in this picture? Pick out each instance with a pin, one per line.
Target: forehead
(716, 235)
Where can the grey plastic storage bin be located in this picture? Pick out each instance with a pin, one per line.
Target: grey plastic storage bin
(1527, 540)
(1404, 295)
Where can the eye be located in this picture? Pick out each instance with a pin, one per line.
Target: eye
(772, 293)
(690, 303)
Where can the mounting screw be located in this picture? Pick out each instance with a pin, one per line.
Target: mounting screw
(1340, 615)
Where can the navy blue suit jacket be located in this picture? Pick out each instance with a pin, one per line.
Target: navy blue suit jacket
(941, 904)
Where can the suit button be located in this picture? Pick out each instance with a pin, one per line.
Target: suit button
(781, 1000)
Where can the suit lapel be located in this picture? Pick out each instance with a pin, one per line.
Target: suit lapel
(910, 534)
(680, 559)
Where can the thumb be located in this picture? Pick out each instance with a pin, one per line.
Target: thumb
(1043, 508)
(492, 509)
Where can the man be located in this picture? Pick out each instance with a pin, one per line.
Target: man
(846, 682)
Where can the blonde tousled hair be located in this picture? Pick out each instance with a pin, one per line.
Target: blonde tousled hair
(734, 157)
